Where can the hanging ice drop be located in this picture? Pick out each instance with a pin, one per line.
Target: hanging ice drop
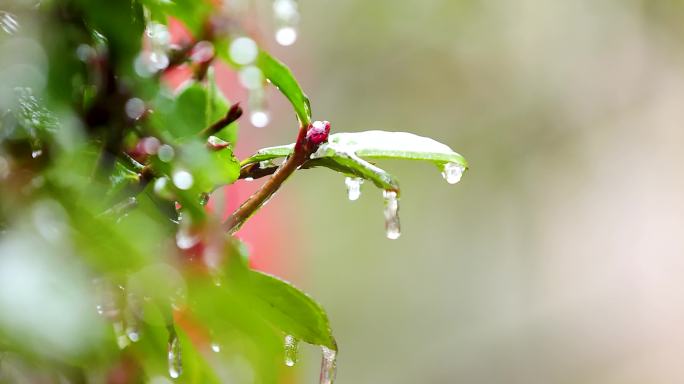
(392, 226)
(291, 350)
(353, 187)
(174, 357)
(452, 172)
(328, 366)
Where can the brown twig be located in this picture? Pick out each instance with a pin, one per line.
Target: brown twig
(302, 151)
(232, 115)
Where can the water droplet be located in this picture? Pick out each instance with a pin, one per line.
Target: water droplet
(392, 226)
(285, 9)
(121, 337)
(251, 77)
(158, 60)
(133, 334)
(185, 239)
(291, 350)
(174, 356)
(85, 52)
(142, 65)
(259, 119)
(353, 187)
(8, 23)
(286, 36)
(36, 153)
(452, 172)
(151, 145)
(161, 188)
(243, 50)
(135, 108)
(100, 309)
(215, 347)
(182, 179)
(148, 63)
(166, 153)
(49, 218)
(159, 34)
(328, 366)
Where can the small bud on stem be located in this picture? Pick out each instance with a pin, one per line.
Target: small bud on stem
(318, 132)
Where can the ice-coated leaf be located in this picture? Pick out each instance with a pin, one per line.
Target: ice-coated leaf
(395, 145)
(281, 76)
(346, 153)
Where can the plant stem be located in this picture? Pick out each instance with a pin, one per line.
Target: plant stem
(303, 149)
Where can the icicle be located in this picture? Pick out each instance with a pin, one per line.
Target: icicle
(392, 226)
(452, 172)
(174, 356)
(328, 366)
(291, 350)
(353, 187)
(121, 337)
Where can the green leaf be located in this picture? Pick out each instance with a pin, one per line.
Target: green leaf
(281, 76)
(217, 105)
(287, 308)
(109, 18)
(345, 152)
(210, 168)
(269, 153)
(278, 74)
(180, 116)
(192, 13)
(194, 109)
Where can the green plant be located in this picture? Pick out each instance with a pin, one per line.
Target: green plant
(105, 173)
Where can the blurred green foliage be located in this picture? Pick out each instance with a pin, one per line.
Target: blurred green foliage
(111, 268)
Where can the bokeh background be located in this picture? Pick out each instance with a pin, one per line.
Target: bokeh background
(558, 258)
